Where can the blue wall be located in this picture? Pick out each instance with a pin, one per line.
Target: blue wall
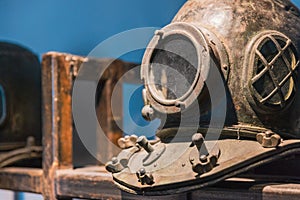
(78, 26)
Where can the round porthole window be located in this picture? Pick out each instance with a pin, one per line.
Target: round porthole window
(273, 76)
(173, 67)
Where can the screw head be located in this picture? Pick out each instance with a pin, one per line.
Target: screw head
(203, 158)
(198, 139)
(114, 160)
(148, 113)
(30, 141)
(269, 133)
(142, 171)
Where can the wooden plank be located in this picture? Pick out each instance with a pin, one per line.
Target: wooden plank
(281, 191)
(58, 73)
(57, 118)
(96, 183)
(21, 179)
(88, 183)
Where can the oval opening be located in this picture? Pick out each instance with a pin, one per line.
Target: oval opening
(173, 67)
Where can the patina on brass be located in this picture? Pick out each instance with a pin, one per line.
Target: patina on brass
(255, 46)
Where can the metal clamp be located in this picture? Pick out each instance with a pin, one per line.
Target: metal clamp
(206, 161)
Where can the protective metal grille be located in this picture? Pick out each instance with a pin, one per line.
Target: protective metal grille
(275, 63)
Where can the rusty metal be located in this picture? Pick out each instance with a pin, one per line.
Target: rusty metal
(30, 151)
(238, 25)
(205, 161)
(127, 141)
(145, 144)
(255, 46)
(279, 89)
(144, 177)
(20, 96)
(232, 44)
(268, 139)
(114, 165)
(58, 73)
(148, 112)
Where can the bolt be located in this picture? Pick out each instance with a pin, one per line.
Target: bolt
(142, 171)
(30, 141)
(198, 140)
(143, 142)
(203, 158)
(269, 133)
(147, 112)
(114, 160)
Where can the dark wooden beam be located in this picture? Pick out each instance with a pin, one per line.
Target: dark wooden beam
(21, 179)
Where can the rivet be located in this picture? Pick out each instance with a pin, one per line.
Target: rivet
(203, 158)
(269, 133)
(159, 32)
(114, 160)
(142, 171)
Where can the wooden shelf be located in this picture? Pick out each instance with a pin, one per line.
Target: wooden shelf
(90, 182)
(21, 179)
(95, 183)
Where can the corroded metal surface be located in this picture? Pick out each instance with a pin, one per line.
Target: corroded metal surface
(236, 23)
(255, 47)
(20, 94)
(180, 177)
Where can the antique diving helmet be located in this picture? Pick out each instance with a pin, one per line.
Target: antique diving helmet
(223, 79)
(20, 104)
